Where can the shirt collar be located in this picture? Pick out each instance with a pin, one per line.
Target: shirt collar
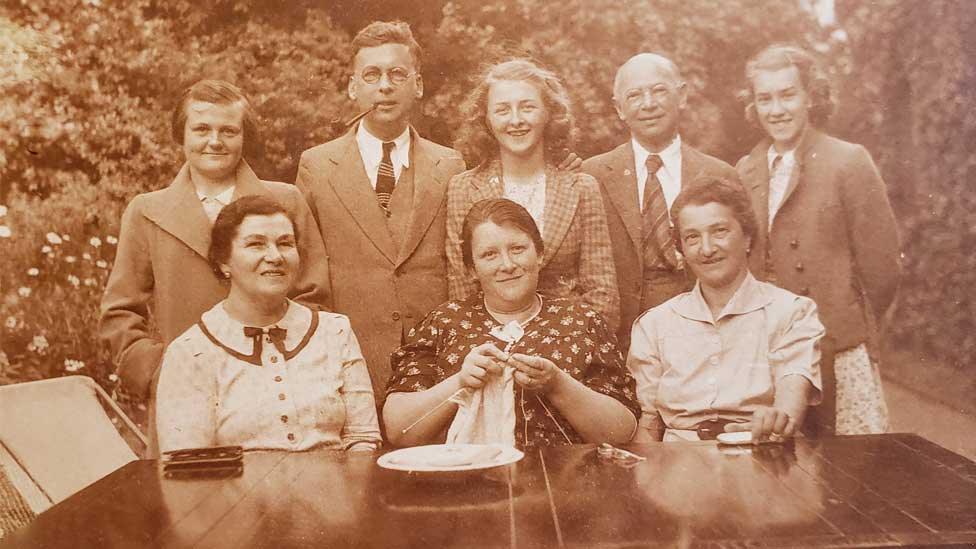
(230, 333)
(224, 197)
(750, 296)
(788, 157)
(373, 146)
(670, 155)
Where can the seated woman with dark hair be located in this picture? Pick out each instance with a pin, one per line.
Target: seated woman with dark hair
(555, 356)
(734, 353)
(259, 370)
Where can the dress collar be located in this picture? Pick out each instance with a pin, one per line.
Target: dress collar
(750, 296)
(226, 332)
(670, 155)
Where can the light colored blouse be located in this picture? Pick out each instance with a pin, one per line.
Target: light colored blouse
(691, 367)
(218, 386)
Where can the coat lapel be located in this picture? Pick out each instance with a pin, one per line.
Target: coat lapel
(562, 197)
(756, 173)
(620, 185)
(353, 189)
(429, 189)
(804, 153)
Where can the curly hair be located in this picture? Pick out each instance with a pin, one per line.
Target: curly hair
(812, 76)
(474, 139)
(379, 33)
(228, 221)
(218, 92)
(708, 189)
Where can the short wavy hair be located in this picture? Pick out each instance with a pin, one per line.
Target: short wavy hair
(474, 139)
(379, 33)
(501, 212)
(218, 92)
(228, 221)
(708, 189)
(813, 76)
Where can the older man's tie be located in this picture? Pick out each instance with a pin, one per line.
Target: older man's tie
(655, 222)
(385, 178)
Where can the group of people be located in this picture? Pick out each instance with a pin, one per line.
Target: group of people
(649, 293)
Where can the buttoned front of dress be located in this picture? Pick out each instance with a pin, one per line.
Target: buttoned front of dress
(309, 390)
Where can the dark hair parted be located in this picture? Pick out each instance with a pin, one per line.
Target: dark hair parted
(379, 33)
(812, 75)
(474, 139)
(501, 212)
(218, 92)
(708, 189)
(229, 219)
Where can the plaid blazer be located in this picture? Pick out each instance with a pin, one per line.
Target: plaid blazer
(578, 259)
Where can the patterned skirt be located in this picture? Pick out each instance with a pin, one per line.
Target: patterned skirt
(861, 407)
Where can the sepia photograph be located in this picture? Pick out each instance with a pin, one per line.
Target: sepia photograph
(487, 273)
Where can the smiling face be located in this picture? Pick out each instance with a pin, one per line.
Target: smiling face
(506, 263)
(264, 259)
(714, 245)
(517, 117)
(213, 138)
(782, 105)
(393, 100)
(649, 96)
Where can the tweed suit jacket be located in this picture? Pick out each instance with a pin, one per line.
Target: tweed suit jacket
(834, 237)
(383, 288)
(577, 260)
(614, 170)
(162, 259)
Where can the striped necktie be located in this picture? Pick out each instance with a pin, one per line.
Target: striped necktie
(385, 178)
(655, 222)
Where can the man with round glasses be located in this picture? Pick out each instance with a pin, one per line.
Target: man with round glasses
(640, 180)
(378, 194)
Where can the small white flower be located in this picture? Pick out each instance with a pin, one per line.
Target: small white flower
(86, 256)
(3, 210)
(73, 365)
(111, 240)
(53, 238)
(5, 231)
(113, 378)
(70, 259)
(89, 282)
(33, 271)
(95, 242)
(45, 249)
(38, 344)
(24, 291)
(101, 264)
(65, 237)
(11, 322)
(74, 280)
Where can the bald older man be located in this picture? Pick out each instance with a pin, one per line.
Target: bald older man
(640, 180)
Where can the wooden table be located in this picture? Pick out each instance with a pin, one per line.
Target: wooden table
(847, 491)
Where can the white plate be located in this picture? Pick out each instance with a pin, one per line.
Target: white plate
(450, 457)
(737, 438)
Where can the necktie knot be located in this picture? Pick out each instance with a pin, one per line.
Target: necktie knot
(653, 163)
(777, 162)
(388, 147)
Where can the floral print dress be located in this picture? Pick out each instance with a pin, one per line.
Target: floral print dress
(569, 333)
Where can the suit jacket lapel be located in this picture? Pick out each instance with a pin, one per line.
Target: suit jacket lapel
(177, 210)
(429, 188)
(562, 198)
(621, 186)
(353, 189)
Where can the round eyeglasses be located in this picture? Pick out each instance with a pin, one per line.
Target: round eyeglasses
(396, 75)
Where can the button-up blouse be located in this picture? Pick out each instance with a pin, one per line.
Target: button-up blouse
(218, 386)
(691, 367)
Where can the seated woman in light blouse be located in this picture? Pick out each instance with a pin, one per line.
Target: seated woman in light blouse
(259, 370)
(570, 385)
(516, 124)
(734, 353)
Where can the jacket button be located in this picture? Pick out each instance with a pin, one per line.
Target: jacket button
(291, 437)
(281, 396)
(794, 243)
(274, 359)
(284, 419)
(278, 379)
(396, 315)
(799, 267)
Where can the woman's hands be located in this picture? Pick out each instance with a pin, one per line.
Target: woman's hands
(535, 372)
(768, 422)
(483, 360)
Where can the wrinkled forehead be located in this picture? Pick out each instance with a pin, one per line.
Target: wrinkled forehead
(644, 71)
(272, 225)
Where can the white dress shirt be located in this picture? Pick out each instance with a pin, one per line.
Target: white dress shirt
(213, 204)
(669, 175)
(779, 179)
(371, 151)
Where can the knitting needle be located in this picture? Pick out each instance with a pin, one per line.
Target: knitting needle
(448, 399)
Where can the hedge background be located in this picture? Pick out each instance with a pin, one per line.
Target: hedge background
(86, 89)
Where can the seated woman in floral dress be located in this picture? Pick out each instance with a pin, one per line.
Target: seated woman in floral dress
(568, 378)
